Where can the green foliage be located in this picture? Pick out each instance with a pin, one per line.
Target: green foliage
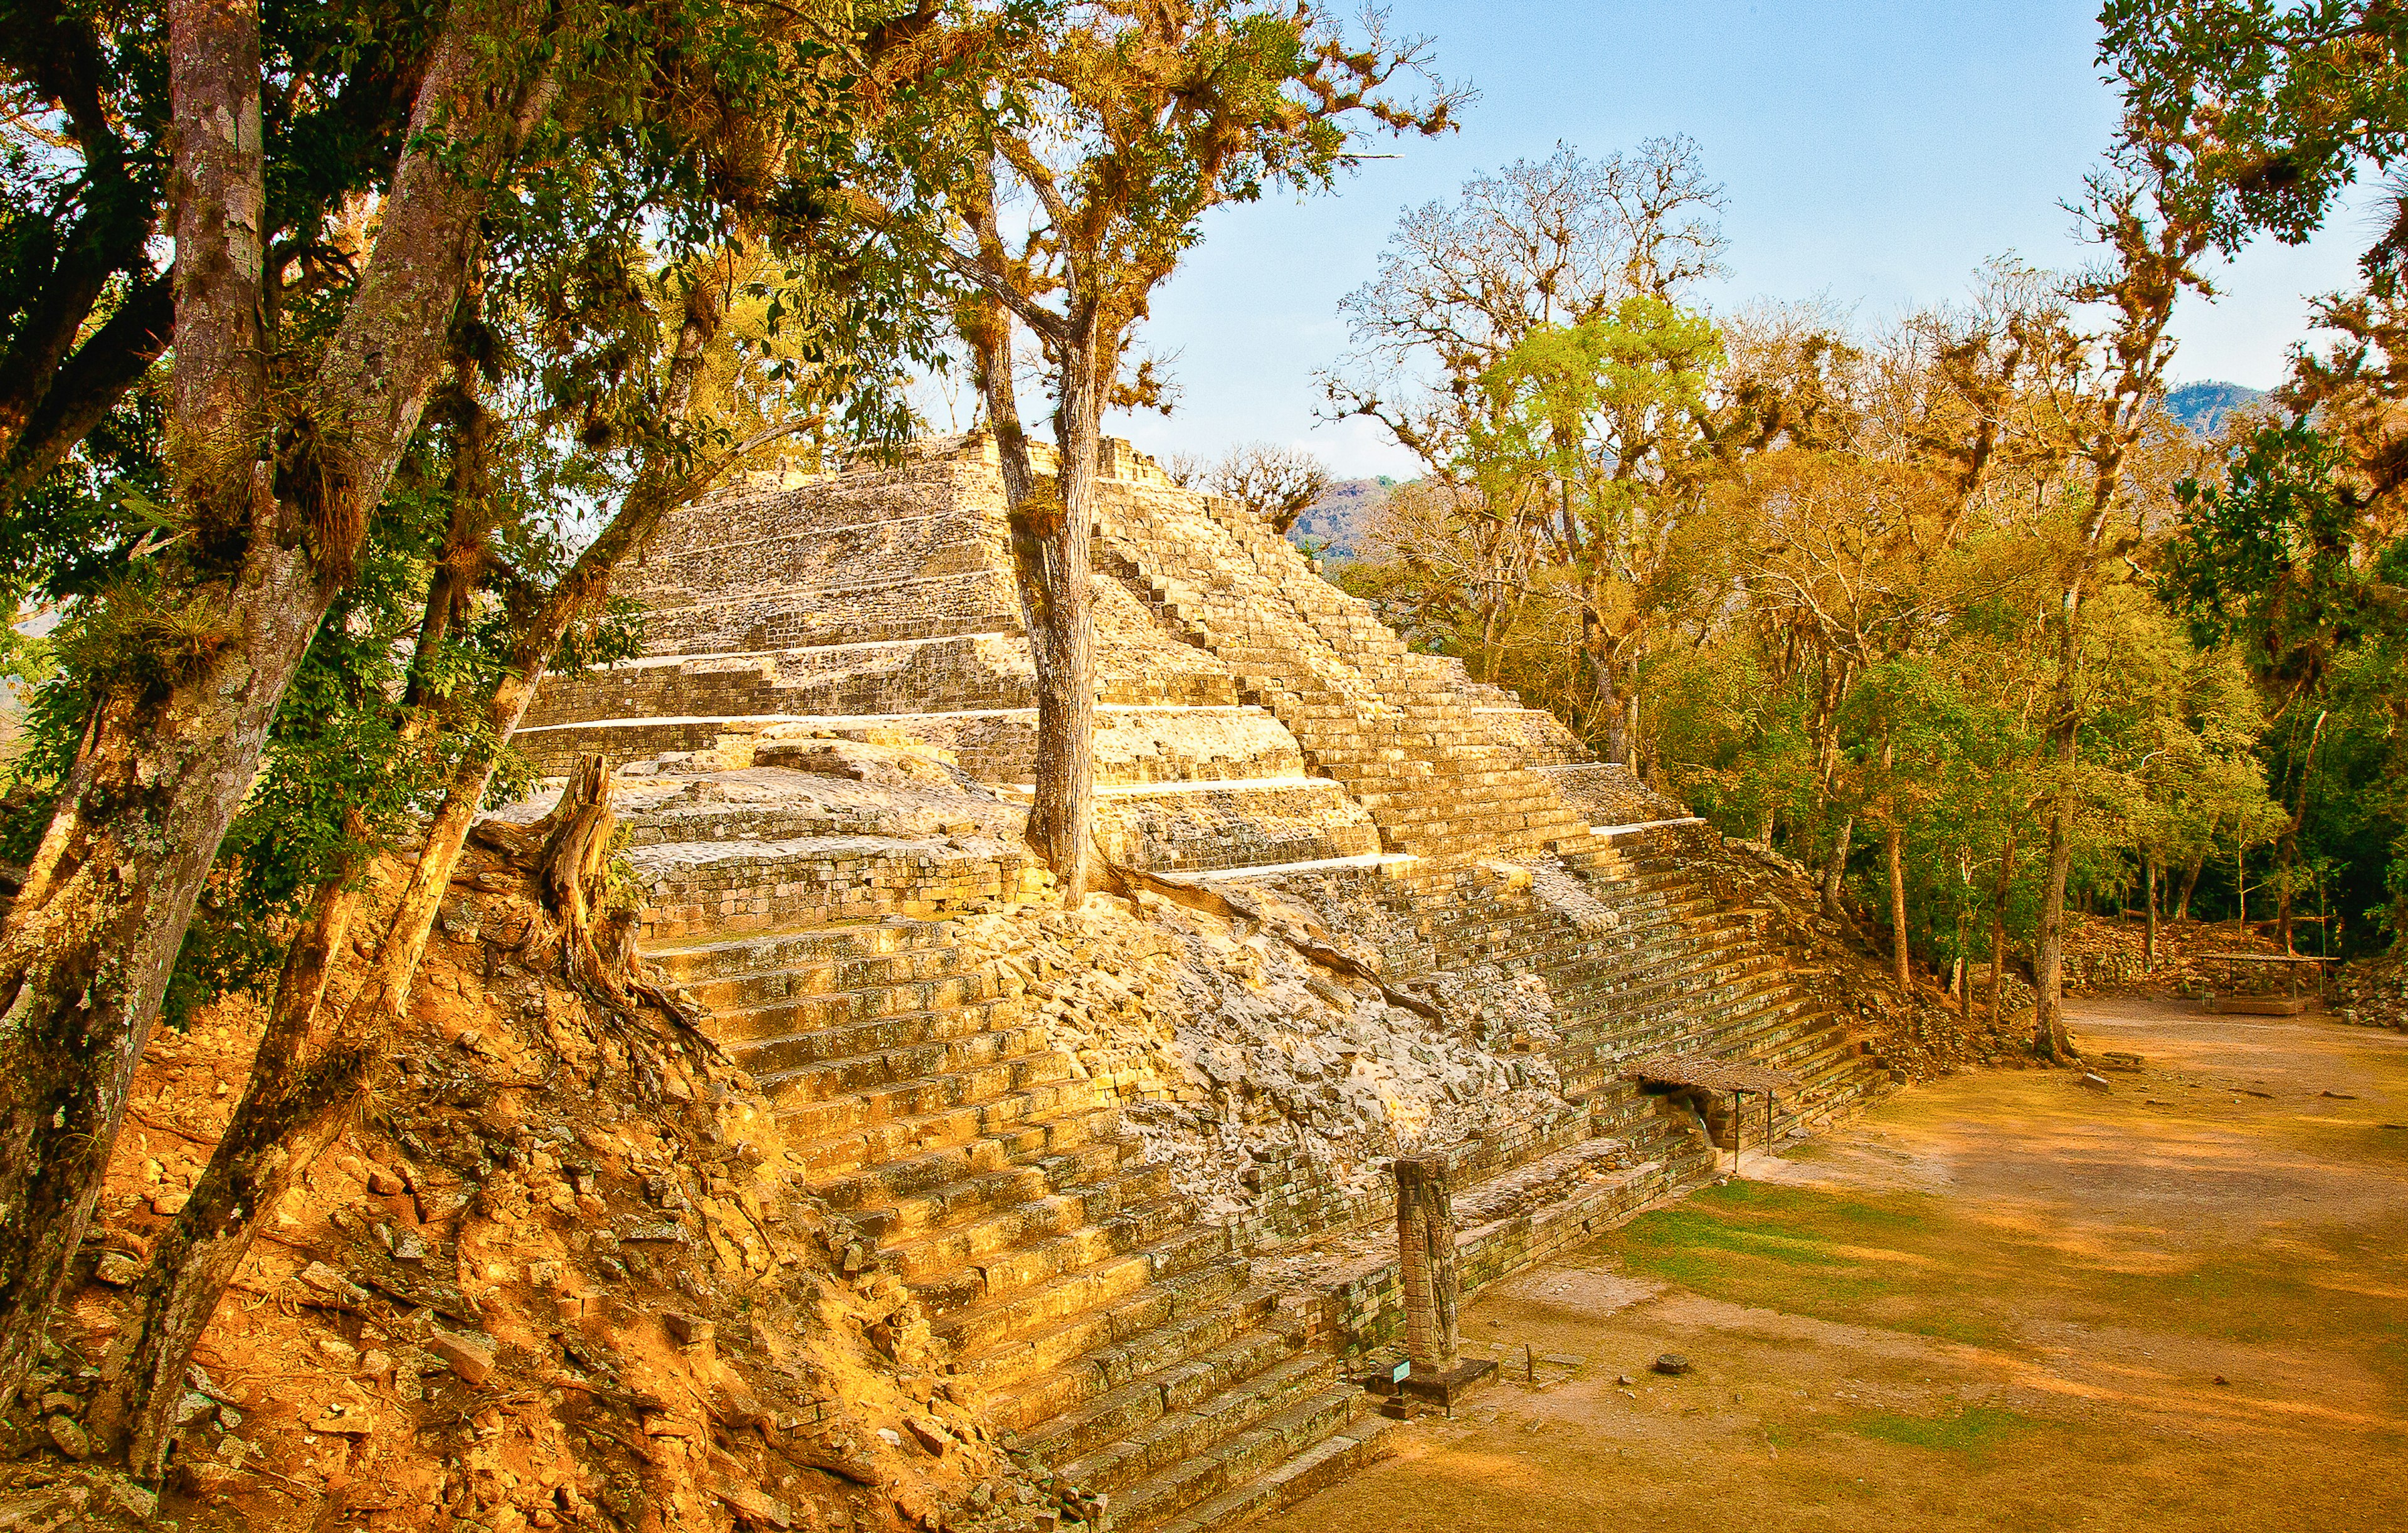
(2265, 108)
(2284, 561)
(1598, 417)
(2271, 559)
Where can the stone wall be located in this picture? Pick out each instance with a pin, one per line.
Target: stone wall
(1192, 828)
(699, 889)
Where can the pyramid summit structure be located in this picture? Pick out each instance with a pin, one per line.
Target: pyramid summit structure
(1227, 667)
(823, 755)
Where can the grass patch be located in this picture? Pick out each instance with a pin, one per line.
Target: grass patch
(1972, 1432)
(1864, 1259)
(1918, 1263)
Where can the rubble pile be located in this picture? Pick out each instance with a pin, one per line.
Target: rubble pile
(2108, 955)
(2373, 993)
(1918, 1034)
(562, 1276)
(1226, 1044)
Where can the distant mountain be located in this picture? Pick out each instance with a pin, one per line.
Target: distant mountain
(2203, 407)
(1341, 521)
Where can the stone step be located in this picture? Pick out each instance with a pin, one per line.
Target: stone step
(1271, 1384)
(841, 1010)
(946, 1072)
(721, 887)
(925, 1192)
(1317, 1468)
(990, 1234)
(904, 1093)
(1172, 1367)
(889, 1037)
(1251, 1453)
(1034, 1299)
(1040, 1375)
(933, 973)
(692, 961)
(1048, 1258)
(1017, 1127)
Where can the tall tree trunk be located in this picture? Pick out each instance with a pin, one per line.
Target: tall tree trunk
(1596, 648)
(1894, 851)
(2290, 849)
(306, 1078)
(1492, 625)
(96, 927)
(289, 1112)
(1965, 932)
(1058, 544)
(2149, 892)
(94, 934)
(1052, 543)
(2154, 246)
(1999, 922)
(1836, 868)
(1894, 857)
(2050, 1039)
(986, 326)
(217, 392)
(2190, 881)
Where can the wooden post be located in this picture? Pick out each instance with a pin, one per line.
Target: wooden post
(1425, 1257)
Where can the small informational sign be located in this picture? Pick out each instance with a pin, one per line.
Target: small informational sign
(1403, 1369)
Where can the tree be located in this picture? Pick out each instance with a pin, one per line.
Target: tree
(1453, 577)
(86, 302)
(1851, 478)
(1590, 433)
(1549, 243)
(1120, 124)
(284, 425)
(2264, 115)
(2293, 562)
(2264, 111)
(1276, 483)
(2153, 247)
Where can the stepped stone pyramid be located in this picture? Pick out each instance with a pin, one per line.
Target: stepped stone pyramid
(1256, 727)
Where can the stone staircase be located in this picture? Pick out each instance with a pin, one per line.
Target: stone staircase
(1660, 967)
(1406, 746)
(1108, 1327)
(1725, 993)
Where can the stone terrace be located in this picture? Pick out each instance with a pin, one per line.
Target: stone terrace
(833, 730)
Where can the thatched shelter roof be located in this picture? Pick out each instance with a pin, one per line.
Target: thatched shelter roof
(1712, 1074)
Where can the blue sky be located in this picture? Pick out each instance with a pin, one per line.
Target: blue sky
(1874, 153)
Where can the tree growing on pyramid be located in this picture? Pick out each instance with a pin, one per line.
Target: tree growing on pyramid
(1076, 172)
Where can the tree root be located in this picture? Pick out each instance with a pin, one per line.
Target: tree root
(567, 856)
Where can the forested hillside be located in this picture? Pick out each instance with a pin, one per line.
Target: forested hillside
(1341, 521)
(2205, 407)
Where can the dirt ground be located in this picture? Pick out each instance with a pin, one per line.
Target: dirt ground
(2002, 1300)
